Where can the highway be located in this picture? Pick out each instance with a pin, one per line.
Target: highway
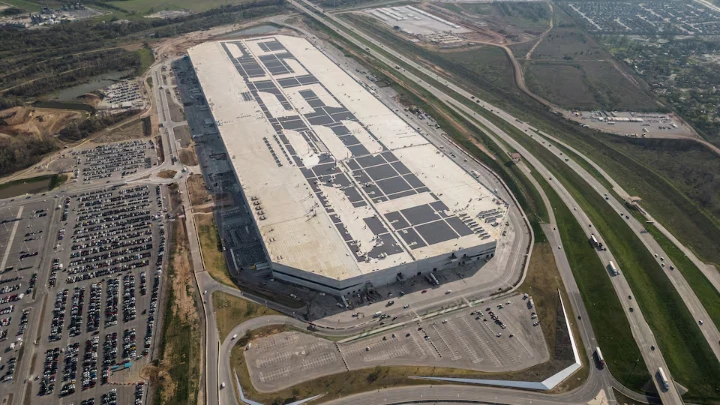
(698, 311)
(640, 329)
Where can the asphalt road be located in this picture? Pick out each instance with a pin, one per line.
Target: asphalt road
(640, 329)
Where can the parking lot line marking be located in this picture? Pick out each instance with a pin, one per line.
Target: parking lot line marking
(419, 348)
(460, 335)
(273, 359)
(455, 354)
(12, 238)
(522, 343)
(483, 339)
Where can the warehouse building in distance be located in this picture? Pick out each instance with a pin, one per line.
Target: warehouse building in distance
(344, 193)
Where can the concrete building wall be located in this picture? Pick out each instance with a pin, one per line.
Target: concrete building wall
(382, 277)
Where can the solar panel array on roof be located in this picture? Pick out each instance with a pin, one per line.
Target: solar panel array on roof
(356, 190)
(381, 176)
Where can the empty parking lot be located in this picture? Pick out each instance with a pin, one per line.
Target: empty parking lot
(492, 337)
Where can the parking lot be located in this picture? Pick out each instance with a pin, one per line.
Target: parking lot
(23, 232)
(124, 94)
(104, 281)
(497, 336)
(633, 124)
(421, 24)
(114, 161)
(285, 359)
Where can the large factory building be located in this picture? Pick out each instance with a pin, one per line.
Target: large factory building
(345, 194)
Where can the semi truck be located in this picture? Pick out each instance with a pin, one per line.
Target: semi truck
(595, 242)
(613, 269)
(599, 357)
(663, 379)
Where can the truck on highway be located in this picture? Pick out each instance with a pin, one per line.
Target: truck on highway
(595, 242)
(663, 379)
(613, 269)
(599, 357)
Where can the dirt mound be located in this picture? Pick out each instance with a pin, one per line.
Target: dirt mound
(39, 122)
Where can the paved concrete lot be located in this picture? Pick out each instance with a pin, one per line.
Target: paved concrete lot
(468, 339)
(286, 359)
(636, 125)
(496, 336)
(415, 21)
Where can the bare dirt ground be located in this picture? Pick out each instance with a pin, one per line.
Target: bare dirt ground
(182, 134)
(131, 130)
(188, 156)
(176, 113)
(39, 122)
(174, 47)
(178, 369)
(167, 174)
(197, 190)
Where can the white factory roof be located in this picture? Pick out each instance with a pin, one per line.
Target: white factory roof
(342, 185)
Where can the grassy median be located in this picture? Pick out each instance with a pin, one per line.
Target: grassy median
(213, 257)
(610, 325)
(231, 311)
(687, 353)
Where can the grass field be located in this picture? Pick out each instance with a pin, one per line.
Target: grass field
(568, 44)
(24, 5)
(706, 292)
(563, 84)
(213, 257)
(694, 169)
(529, 17)
(585, 85)
(151, 6)
(488, 61)
(231, 311)
(146, 59)
(521, 49)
